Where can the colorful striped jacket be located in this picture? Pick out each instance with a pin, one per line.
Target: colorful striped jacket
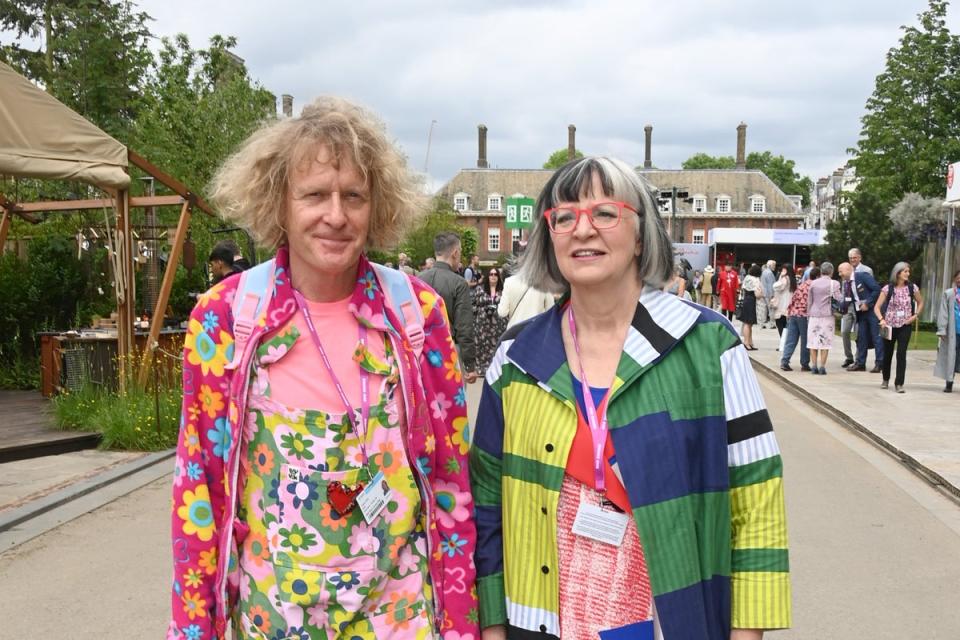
(697, 454)
(206, 580)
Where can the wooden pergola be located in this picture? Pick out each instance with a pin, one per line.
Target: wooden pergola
(33, 128)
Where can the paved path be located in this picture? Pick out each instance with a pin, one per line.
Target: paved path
(875, 552)
(920, 426)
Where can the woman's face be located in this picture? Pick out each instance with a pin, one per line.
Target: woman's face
(904, 274)
(493, 277)
(588, 257)
(327, 215)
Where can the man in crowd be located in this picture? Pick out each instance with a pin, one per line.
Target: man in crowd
(861, 291)
(403, 264)
(765, 301)
(806, 272)
(472, 273)
(456, 296)
(225, 260)
(849, 318)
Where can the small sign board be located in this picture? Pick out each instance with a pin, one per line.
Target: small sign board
(520, 213)
(953, 182)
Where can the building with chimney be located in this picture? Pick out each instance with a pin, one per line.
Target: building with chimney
(714, 199)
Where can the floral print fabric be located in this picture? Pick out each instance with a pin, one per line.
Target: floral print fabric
(206, 581)
(307, 571)
(488, 326)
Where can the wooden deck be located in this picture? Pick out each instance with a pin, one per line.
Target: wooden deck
(27, 430)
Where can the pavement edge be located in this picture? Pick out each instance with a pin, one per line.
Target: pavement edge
(929, 475)
(68, 494)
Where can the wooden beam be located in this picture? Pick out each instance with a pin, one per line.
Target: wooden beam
(126, 291)
(156, 323)
(168, 180)
(98, 203)
(4, 228)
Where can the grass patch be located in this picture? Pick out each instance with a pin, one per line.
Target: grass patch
(136, 420)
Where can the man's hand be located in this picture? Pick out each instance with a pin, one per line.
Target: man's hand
(743, 634)
(863, 306)
(470, 377)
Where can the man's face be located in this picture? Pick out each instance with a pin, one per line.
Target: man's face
(217, 268)
(854, 259)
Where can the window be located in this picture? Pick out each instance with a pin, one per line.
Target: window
(758, 204)
(665, 205)
(514, 235)
(495, 203)
(493, 239)
(723, 204)
(699, 204)
(460, 202)
(698, 236)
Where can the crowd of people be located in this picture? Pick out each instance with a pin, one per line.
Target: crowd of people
(805, 306)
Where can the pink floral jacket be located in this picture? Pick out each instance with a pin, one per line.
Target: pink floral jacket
(207, 464)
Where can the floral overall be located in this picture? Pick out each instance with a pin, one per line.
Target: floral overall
(306, 572)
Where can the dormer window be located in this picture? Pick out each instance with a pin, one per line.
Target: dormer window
(495, 202)
(460, 202)
(723, 204)
(699, 204)
(758, 204)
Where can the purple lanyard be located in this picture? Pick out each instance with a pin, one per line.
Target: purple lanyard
(598, 426)
(359, 430)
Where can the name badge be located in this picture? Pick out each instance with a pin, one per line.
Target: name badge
(374, 497)
(848, 299)
(600, 524)
(900, 315)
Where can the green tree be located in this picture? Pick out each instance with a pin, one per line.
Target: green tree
(95, 59)
(867, 226)
(418, 244)
(911, 129)
(560, 157)
(781, 171)
(706, 161)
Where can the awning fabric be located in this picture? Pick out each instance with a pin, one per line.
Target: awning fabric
(40, 137)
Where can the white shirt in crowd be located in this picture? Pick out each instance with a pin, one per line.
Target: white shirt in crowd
(519, 301)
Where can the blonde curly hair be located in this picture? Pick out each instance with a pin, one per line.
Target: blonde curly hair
(250, 188)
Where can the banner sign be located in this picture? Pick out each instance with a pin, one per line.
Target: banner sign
(953, 182)
(520, 213)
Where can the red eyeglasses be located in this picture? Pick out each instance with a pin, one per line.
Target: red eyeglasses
(603, 215)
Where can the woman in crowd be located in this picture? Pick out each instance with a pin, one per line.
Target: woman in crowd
(487, 324)
(748, 306)
(728, 286)
(820, 323)
(600, 507)
(315, 495)
(677, 285)
(948, 328)
(797, 324)
(783, 290)
(898, 305)
(697, 281)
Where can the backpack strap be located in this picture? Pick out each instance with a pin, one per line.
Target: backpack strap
(400, 296)
(254, 290)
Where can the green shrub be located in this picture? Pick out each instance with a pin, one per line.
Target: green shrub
(127, 421)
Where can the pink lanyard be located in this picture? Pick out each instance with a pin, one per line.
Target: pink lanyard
(598, 426)
(359, 430)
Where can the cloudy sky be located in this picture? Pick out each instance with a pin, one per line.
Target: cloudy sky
(798, 74)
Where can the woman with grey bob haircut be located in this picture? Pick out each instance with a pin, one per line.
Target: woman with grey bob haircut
(538, 265)
(585, 390)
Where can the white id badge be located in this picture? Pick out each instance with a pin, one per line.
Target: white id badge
(900, 315)
(374, 498)
(599, 524)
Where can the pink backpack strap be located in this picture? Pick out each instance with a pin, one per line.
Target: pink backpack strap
(400, 296)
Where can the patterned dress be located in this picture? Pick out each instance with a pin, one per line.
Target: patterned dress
(487, 326)
(306, 571)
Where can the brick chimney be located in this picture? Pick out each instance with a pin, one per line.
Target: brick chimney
(648, 136)
(741, 146)
(571, 142)
(482, 147)
(287, 101)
